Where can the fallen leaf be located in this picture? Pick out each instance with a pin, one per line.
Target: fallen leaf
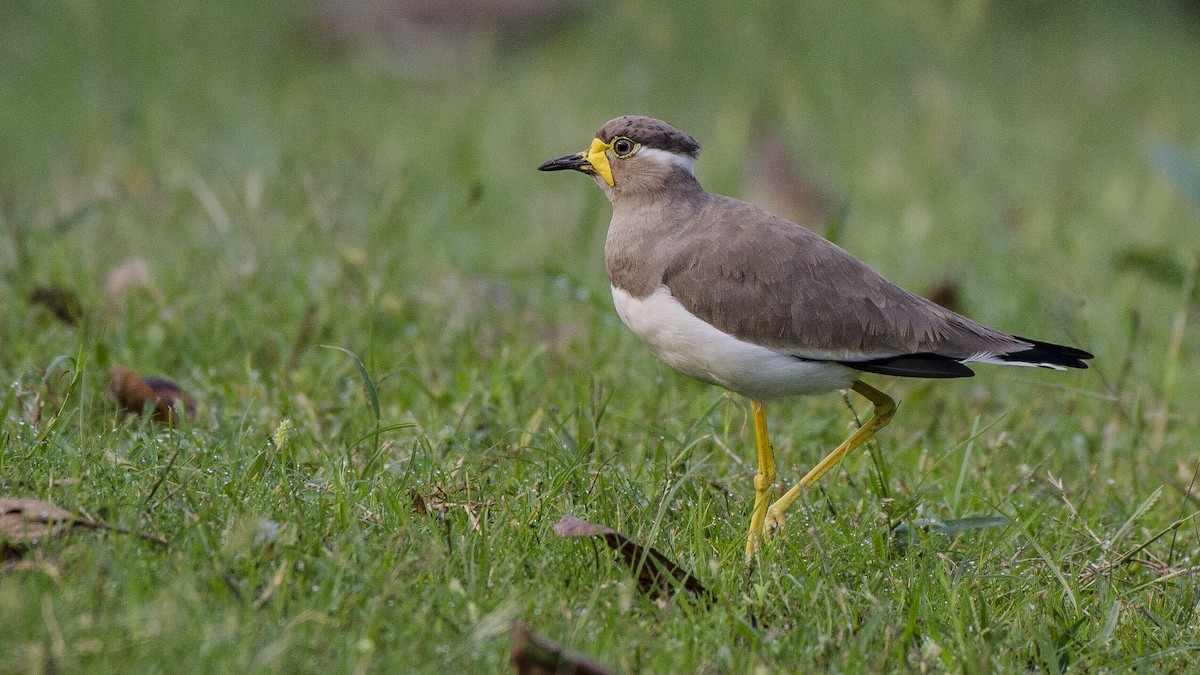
(134, 392)
(533, 654)
(657, 574)
(440, 500)
(418, 503)
(62, 303)
(27, 520)
(12, 564)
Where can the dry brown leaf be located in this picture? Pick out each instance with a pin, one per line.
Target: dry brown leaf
(533, 654)
(134, 392)
(657, 573)
(62, 303)
(418, 503)
(440, 500)
(26, 520)
(9, 556)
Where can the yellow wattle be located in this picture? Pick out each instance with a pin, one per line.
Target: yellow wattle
(597, 157)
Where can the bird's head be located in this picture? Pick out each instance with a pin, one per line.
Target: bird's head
(634, 154)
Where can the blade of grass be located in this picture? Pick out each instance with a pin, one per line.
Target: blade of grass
(368, 383)
(1140, 511)
(1046, 558)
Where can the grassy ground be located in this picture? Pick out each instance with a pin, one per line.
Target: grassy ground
(286, 192)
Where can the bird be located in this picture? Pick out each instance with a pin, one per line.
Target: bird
(736, 296)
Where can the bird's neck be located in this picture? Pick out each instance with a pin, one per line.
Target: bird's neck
(643, 227)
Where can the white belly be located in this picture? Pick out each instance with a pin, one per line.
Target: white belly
(700, 350)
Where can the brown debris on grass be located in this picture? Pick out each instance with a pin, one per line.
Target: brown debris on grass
(24, 522)
(134, 393)
(657, 574)
(440, 502)
(28, 520)
(62, 303)
(533, 654)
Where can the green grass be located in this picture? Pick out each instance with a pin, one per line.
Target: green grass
(287, 193)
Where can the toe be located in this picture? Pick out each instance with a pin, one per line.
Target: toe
(772, 522)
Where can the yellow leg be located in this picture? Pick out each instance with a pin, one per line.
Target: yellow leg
(763, 480)
(885, 407)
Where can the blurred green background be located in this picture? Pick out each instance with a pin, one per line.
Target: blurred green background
(226, 185)
(949, 129)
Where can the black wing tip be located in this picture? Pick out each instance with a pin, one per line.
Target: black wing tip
(1049, 354)
(913, 365)
(929, 365)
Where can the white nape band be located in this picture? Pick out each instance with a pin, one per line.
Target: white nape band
(668, 157)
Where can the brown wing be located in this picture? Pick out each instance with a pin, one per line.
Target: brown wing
(764, 279)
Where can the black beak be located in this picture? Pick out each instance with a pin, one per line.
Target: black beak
(576, 161)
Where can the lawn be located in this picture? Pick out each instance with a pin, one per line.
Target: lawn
(252, 198)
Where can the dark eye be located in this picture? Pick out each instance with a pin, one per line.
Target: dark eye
(624, 147)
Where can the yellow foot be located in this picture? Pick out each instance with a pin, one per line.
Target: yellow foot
(773, 521)
(770, 522)
(763, 487)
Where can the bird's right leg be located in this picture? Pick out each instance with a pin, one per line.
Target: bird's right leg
(885, 407)
(763, 480)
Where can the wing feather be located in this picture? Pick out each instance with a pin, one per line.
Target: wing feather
(764, 279)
